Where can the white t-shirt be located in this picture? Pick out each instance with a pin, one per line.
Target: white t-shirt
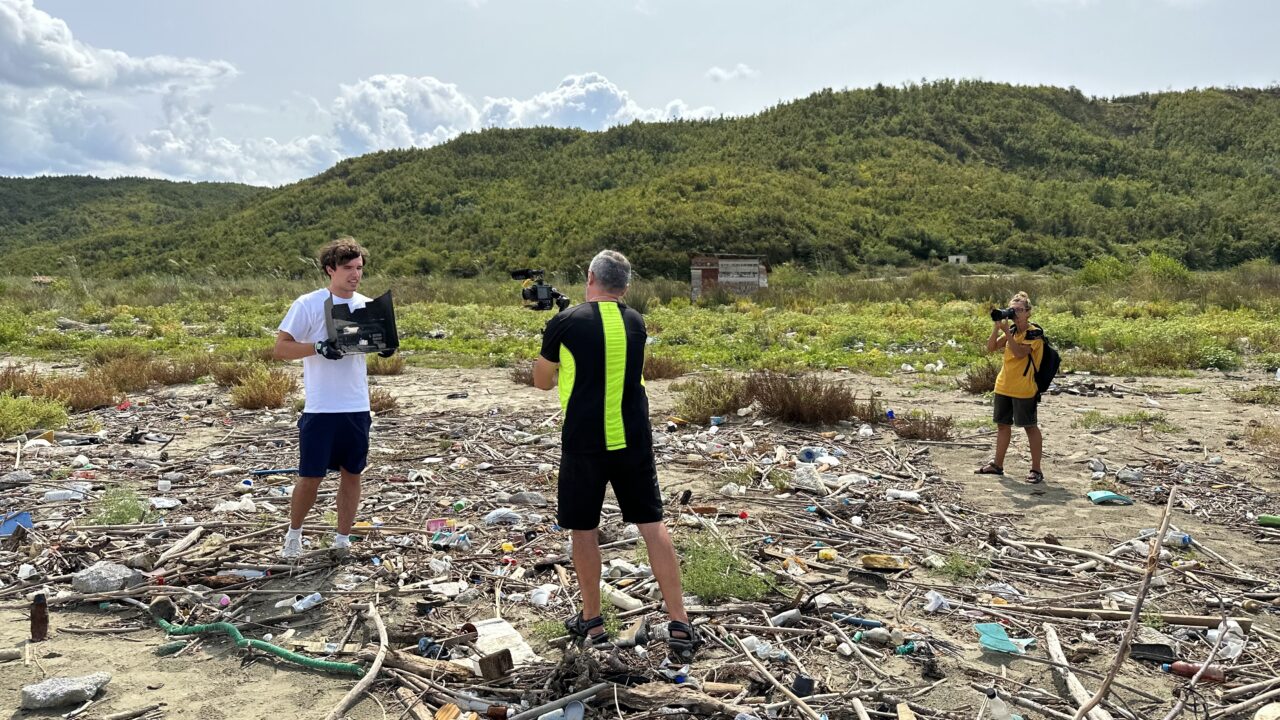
(332, 386)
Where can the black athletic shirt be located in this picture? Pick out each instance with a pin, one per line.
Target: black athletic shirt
(600, 348)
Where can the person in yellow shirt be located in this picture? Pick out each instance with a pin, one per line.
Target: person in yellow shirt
(1015, 392)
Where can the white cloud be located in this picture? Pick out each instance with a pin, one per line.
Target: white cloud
(60, 103)
(589, 101)
(396, 111)
(741, 71)
(38, 50)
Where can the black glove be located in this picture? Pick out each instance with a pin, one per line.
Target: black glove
(329, 349)
(386, 353)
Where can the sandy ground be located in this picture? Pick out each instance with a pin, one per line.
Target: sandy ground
(213, 683)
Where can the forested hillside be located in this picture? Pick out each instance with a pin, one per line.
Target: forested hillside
(1026, 176)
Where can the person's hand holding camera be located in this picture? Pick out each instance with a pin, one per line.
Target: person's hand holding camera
(329, 349)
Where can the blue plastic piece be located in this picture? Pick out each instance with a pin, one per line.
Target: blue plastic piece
(10, 523)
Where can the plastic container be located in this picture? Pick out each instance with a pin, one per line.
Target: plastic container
(809, 454)
(1269, 521)
(1176, 540)
(785, 618)
(997, 708)
(307, 602)
(1186, 669)
(910, 496)
(163, 486)
(875, 636)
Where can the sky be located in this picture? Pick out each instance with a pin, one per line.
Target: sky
(269, 92)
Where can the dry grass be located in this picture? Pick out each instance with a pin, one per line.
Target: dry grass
(16, 379)
(1258, 395)
(522, 373)
(1266, 437)
(226, 374)
(182, 370)
(378, 365)
(804, 399)
(105, 353)
(924, 425)
(263, 388)
(381, 401)
(79, 392)
(980, 378)
(661, 367)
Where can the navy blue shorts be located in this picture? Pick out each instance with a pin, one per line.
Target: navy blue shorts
(584, 475)
(332, 441)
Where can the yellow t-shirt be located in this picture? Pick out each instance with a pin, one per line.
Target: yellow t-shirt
(1012, 381)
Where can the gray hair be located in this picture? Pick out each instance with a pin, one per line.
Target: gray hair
(612, 270)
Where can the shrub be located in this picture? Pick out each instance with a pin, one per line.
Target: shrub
(378, 365)
(128, 375)
(110, 350)
(923, 425)
(713, 573)
(521, 373)
(1104, 270)
(119, 506)
(16, 379)
(182, 370)
(980, 378)
(1218, 357)
(717, 394)
(381, 400)
(661, 367)
(20, 414)
(227, 374)
(263, 388)
(805, 399)
(78, 392)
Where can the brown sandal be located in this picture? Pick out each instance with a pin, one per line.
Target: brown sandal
(989, 469)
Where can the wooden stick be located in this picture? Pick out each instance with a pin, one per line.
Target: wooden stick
(354, 694)
(1207, 621)
(1075, 688)
(800, 704)
(128, 714)
(1153, 562)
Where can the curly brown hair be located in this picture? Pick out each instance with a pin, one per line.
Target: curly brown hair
(341, 251)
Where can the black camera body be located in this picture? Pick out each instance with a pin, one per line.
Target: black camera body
(536, 293)
(998, 314)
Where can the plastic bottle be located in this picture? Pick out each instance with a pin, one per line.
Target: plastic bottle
(59, 495)
(997, 707)
(904, 495)
(39, 618)
(875, 636)
(307, 602)
(1186, 669)
(1176, 540)
(1269, 521)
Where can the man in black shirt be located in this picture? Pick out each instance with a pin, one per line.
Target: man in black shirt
(597, 349)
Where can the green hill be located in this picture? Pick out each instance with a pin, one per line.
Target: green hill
(1026, 176)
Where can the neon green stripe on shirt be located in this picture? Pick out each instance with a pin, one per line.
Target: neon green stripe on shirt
(615, 373)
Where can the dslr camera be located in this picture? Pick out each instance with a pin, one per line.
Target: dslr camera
(998, 314)
(536, 293)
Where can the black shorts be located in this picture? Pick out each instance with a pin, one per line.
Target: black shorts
(1015, 411)
(582, 479)
(332, 441)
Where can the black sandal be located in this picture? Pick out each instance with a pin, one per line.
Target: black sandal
(581, 629)
(684, 647)
(1035, 477)
(989, 469)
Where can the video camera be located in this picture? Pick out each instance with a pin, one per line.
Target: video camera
(536, 293)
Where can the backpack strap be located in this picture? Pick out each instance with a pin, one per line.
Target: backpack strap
(1031, 354)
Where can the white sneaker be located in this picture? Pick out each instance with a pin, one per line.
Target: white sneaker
(341, 543)
(292, 547)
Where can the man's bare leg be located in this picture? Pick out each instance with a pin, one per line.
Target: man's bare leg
(348, 501)
(302, 500)
(666, 567)
(586, 564)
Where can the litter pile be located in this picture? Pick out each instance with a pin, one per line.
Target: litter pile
(853, 580)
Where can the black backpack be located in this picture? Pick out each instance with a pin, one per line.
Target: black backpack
(1050, 361)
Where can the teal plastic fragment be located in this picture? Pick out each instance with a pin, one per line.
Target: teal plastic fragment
(995, 637)
(1106, 497)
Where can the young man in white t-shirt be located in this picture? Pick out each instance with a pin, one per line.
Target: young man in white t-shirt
(333, 431)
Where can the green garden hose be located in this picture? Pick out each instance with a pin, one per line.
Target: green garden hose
(242, 641)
